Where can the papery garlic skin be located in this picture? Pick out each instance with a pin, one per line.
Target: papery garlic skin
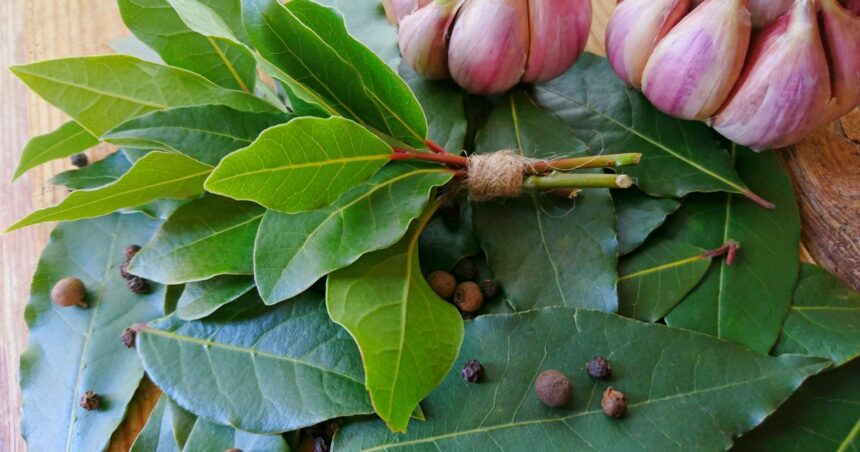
(784, 87)
(634, 30)
(489, 45)
(423, 38)
(396, 10)
(559, 32)
(842, 40)
(693, 69)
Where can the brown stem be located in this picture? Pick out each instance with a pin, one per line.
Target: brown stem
(759, 200)
(436, 147)
(729, 249)
(446, 159)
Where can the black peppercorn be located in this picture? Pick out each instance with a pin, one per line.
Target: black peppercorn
(80, 160)
(614, 403)
(469, 297)
(443, 283)
(128, 337)
(554, 389)
(599, 368)
(138, 285)
(490, 288)
(91, 401)
(465, 270)
(472, 371)
(69, 292)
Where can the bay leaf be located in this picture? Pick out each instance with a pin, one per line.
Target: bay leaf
(678, 157)
(746, 302)
(686, 391)
(293, 251)
(200, 299)
(305, 164)
(367, 22)
(319, 60)
(206, 133)
(103, 172)
(130, 45)
(207, 237)
(546, 250)
(655, 278)
(73, 350)
(824, 414)
(408, 336)
(155, 176)
(442, 245)
(638, 216)
(444, 106)
(237, 368)
(101, 92)
(824, 319)
(69, 139)
(223, 61)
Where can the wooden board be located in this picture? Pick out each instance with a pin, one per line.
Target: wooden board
(826, 169)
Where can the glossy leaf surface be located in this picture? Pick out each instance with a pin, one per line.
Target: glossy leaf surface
(105, 171)
(66, 141)
(638, 216)
(200, 299)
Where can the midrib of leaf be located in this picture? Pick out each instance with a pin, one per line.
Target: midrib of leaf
(52, 147)
(227, 64)
(190, 129)
(850, 438)
(210, 236)
(90, 328)
(207, 344)
(320, 164)
(822, 308)
(662, 267)
(722, 289)
(632, 131)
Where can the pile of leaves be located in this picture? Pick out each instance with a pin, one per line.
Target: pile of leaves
(286, 256)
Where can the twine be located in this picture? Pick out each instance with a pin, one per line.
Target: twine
(497, 175)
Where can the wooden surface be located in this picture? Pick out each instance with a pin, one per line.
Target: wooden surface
(826, 169)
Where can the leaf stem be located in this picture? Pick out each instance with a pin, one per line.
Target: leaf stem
(569, 180)
(729, 249)
(597, 161)
(436, 147)
(759, 200)
(446, 159)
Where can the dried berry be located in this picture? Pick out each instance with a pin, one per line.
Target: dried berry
(138, 285)
(554, 389)
(443, 283)
(469, 297)
(91, 401)
(465, 270)
(614, 403)
(128, 337)
(450, 213)
(599, 368)
(69, 292)
(131, 251)
(472, 371)
(490, 288)
(80, 160)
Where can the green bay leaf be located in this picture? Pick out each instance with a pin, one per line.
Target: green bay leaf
(408, 336)
(443, 243)
(156, 175)
(68, 140)
(94, 175)
(638, 216)
(292, 251)
(207, 237)
(305, 164)
(74, 350)
(680, 394)
(237, 368)
(200, 299)
(545, 250)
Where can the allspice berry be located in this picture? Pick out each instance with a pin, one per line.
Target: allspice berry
(490, 288)
(554, 389)
(472, 371)
(599, 368)
(80, 160)
(69, 292)
(465, 270)
(443, 283)
(614, 403)
(131, 251)
(90, 401)
(128, 337)
(469, 297)
(138, 285)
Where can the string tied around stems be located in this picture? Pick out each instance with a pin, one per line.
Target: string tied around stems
(497, 175)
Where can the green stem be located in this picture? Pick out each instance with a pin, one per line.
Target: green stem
(597, 161)
(571, 180)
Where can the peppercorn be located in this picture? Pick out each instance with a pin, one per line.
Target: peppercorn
(465, 270)
(450, 213)
(554, 389)
(128, 337)
(443, 283)
(469, 297)
(131, 251)
(91, 401)
(614, 403)
(599, 368)
(138, 285)
(472, 371)
(69, 292)
(490, 288)
(80, 160)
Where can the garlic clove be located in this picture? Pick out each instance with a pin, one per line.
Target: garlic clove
(423, 38)
(634, 30)
(841, 30)
(693, 69)
(559, 31)
(489, 45)
(784, 87)
(396, 10)
(764, 12)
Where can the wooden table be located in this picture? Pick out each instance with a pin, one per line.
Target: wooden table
(826, 169)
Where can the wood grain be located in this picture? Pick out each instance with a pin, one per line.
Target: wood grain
(825, 168)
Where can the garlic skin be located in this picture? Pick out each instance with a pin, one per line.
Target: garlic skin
(634, 30)
(784, 87)
(559, 32)
(695, 66)
(423, 38)
(842, 39)
(489, 45)
(396, 10)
